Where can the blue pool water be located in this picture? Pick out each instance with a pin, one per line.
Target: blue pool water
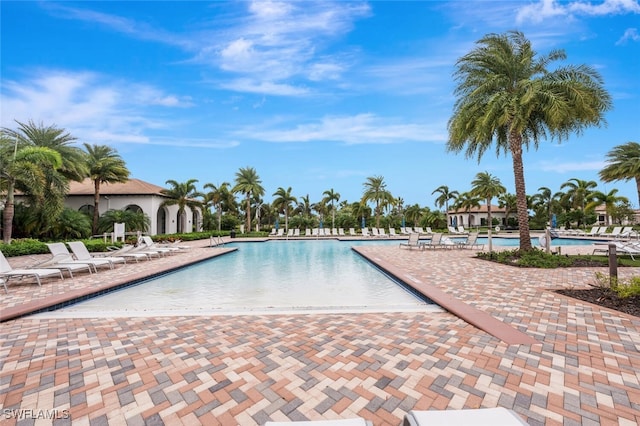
(275, 275)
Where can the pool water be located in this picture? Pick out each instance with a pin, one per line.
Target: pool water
(264, 276)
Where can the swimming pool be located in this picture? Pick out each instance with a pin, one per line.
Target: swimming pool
(263, 277)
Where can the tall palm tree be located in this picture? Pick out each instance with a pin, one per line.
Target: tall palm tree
(465, 202)
(304, 206)
(609, 200)
(578, 193)
(487, 186)
(282, 202)
(21, 167)
(218, 195)
(329, 197)
(248, 182)
(375, 189)
(105, 166)
(623, 164)
(182, 194)
(506, 93)
(443, 199)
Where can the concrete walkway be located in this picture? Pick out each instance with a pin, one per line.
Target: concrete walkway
(247, 369)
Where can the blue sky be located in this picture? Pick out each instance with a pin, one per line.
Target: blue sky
(314, 96)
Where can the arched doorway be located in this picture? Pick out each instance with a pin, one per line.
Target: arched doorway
(161, 221)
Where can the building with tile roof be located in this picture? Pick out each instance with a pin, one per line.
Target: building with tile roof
(136, 195)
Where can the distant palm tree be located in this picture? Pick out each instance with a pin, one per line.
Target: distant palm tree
(133, 220)
(329, 197)
(623, 164)
(21, 167)
(218, 195)
(282, 202)
(609, 200)
(248, 182)
(414, 214)
(443, 199)
(182, 194)
(375, 189)
(578, 193)
(304, 206)
(105, 166)
(506, 94)
(487, 186)
(465, 202)
(509, 203)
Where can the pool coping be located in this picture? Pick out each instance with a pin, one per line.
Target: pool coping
(462, 310)
(58, 300)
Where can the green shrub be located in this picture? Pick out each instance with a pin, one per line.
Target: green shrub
(23, 247)
(623, 288)
(534, 259)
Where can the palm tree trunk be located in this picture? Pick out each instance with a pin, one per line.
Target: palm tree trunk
(638, 187)
(248, 212)
(515, 145)
(490, 223)
(9, 211)
(96, 203)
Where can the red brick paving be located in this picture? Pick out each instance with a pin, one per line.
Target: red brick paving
(248, 369)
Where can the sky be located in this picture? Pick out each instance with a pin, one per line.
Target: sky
(314, 95)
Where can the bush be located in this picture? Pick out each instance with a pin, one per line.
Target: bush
(531, 259)
(23, 247)
(623, 288)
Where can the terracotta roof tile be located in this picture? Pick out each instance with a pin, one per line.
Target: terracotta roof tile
(131, 187)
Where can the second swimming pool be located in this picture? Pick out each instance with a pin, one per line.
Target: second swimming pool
(263, 277)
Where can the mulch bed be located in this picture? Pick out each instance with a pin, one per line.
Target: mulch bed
(606, 298)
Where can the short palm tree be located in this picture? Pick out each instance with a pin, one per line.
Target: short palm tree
(218, 195)
(283, 202)
(609, 200)
(105, 166)
(375, 190)
(578, 193)
(21, 167)
(248, 182)
(445, 195)
(623, 163)
(505, 94)
(329, 197)
(182, 194)
(487, 186)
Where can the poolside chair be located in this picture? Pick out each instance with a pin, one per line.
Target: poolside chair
(296, 232)
(412, 242)
(365, 232)
(127, 251)
(7, 272)
(290, 233)
(477, 417)
(418, 229)
(452, 230)
(435, 242)
(392, 232)
(341, 232)
(82, 254)
(461, 230)
(428, 230)
(307, 232)
(628, 232)
(594, 231)
(315, 232)
(374, 232)
(358, 421)
(382, 233)
(58, 262)
(62, 254)
(151, 245)
(280, 232)
(631, 249)
(273, 232)
(617, 230)
(352, 232)
(472, 242)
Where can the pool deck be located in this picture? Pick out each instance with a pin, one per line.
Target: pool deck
(582, 365)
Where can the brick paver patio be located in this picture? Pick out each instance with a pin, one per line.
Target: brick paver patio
(247, 369)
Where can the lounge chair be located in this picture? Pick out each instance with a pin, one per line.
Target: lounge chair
(127, 251)
(477, 417)
(315, 232)
(461, 230)
(436, 242)
(418, 229)
(273, 232)
(7, 272)
(151, 245)
(452, 230)
(628, 232)
(631, 249)
(307, 232)
(358, 421)
(428, 230)
(365, 232)
(82, 254)
(341, 232)
(382, 233)
(296, 232)
(58, 262)
(472, 242)
(352, 232)
(290, 233)
(594, 231)
(615, 232)
(392, 232)
(62, 254)
(334, 231)
(412, 242)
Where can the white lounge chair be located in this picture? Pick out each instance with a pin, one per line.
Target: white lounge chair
(7, 272)
(452, 230)
(631, 248)
(428, 230)
(461, 230)
(151, 245)
(615, 232)
(476, 417)
(307, 232)
(436, 242)
(392, 232)
(628, 232)
(82, 254)
(273, 232)
(62, 253)
(352, 232)
(280, 232)
(290, 233)
(365, 232)
(472, 242)
(127, 251)
(296, 232)
(341, 232)
(418, 229)
(58, 262)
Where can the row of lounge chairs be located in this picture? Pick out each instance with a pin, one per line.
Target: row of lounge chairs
(601, 231)
(365, 232)
(439, 241)
(629, 248)
(80, 260)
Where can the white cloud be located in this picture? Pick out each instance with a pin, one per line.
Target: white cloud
(90, 106)
(264, 87)
(352, 130)
(545, 9)
(629, 34)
